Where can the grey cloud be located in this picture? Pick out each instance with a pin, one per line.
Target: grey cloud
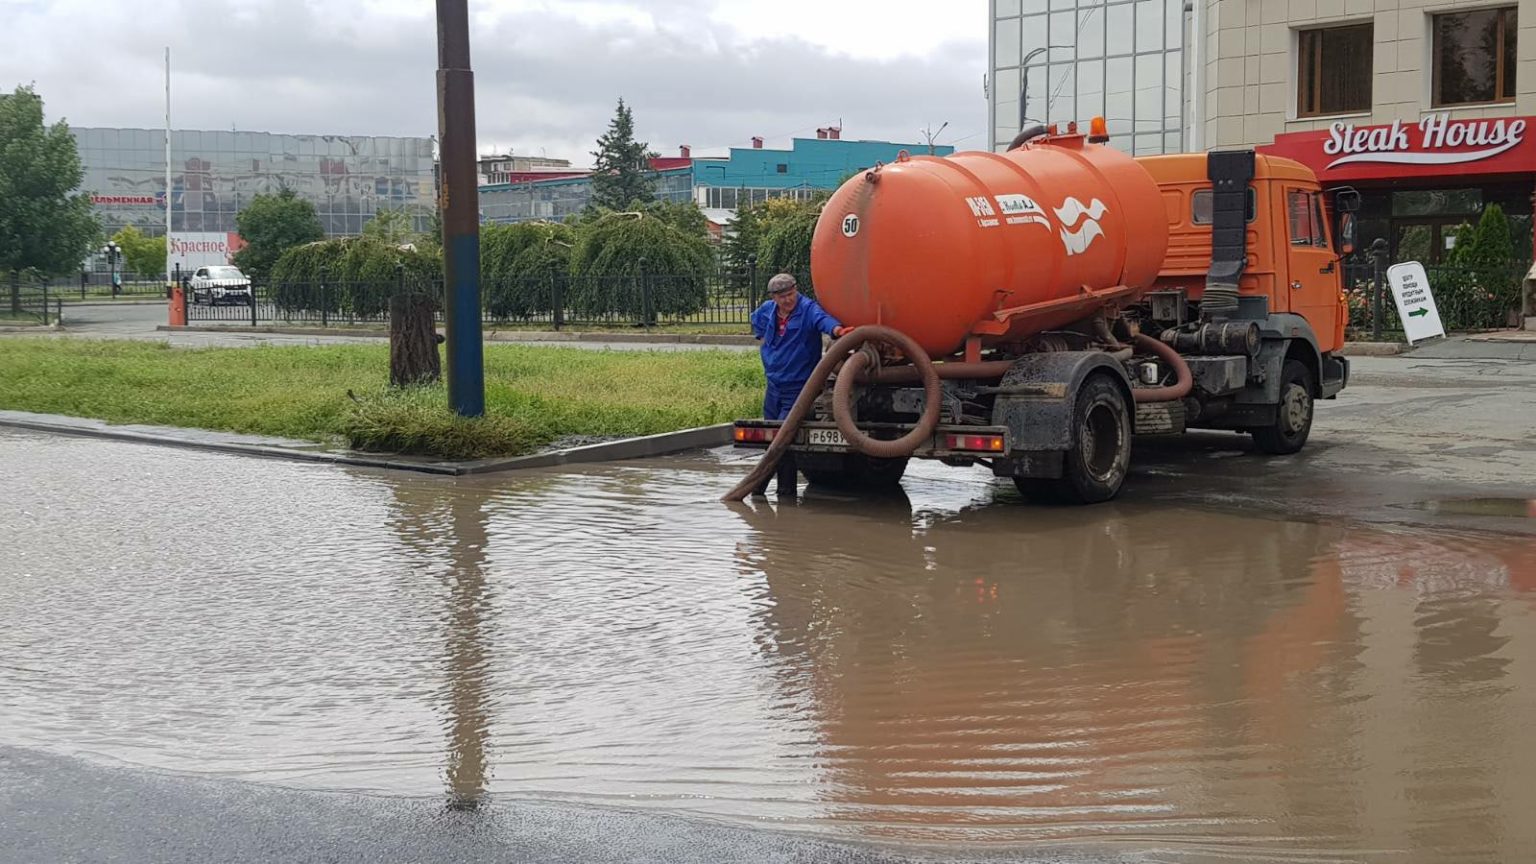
(541, 81)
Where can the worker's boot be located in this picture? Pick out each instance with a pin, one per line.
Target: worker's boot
(788, 476)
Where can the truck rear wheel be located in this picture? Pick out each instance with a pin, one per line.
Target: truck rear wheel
(850, 470)
(1293, 416)
(1094, 469)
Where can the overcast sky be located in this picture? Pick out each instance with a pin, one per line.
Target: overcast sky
(710, 73)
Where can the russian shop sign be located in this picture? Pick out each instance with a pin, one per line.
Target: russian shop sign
(1435, 146)
(124, 200)
(194, 249)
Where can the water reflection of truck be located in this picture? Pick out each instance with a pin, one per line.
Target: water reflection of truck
(1060, 297)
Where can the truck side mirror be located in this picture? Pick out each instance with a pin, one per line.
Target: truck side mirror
(1346, 233)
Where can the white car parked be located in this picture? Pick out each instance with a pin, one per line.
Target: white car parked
(213, 285)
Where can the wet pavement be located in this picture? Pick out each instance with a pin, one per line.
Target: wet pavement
(1309, 658)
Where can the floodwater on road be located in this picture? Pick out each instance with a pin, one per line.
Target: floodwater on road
(950, 666)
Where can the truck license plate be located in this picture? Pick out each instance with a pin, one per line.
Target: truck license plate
(826, 438)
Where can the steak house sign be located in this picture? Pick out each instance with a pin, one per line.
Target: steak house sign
(1437, 145)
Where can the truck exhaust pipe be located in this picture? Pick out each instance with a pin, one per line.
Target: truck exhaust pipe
(1230, 173)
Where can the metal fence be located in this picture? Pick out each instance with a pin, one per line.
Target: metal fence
(555, 301)
(1468, 298)
(29, 302)
(88, 285)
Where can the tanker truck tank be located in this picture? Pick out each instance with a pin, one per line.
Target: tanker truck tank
(994, 245)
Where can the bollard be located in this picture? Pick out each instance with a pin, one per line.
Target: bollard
(178, 308)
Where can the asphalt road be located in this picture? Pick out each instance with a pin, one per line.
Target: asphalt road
(56, 809)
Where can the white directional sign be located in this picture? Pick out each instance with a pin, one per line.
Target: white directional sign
(1415, 305)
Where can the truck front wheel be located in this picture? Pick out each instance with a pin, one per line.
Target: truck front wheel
(1293, 416)
(1094, 469)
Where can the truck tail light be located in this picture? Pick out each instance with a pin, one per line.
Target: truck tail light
(755, 434)
(980, 443)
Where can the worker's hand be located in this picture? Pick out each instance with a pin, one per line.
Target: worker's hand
(840, 332)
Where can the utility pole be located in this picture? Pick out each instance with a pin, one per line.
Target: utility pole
(168, 253)
(459, 204)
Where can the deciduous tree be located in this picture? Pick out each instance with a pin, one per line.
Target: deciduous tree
(45, 224)
(270, 226)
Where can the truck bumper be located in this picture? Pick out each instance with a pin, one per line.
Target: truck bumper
(823, 436)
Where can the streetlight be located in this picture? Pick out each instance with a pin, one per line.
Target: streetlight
(1024, 79)
(112, 251)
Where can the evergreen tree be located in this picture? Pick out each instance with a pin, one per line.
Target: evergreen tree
(619, 171)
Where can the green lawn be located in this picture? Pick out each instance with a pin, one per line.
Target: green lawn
(533, 393)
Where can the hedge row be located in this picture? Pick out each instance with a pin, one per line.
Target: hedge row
(629, 264)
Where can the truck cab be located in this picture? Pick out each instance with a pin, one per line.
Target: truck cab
(1293, 237)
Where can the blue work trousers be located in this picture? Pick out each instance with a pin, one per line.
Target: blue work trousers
(778, 400)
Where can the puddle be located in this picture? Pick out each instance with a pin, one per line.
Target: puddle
(948, 665)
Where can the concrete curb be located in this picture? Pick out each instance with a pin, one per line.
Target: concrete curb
(1373, 349)
(490, 336)
(303, 451)
(645, 447)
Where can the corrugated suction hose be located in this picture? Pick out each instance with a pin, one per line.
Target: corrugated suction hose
(842, 403)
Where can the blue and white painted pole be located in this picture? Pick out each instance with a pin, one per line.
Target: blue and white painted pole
(459, 204)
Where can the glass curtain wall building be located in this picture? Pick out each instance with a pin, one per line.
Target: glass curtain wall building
(216, 173)
(1054, 61)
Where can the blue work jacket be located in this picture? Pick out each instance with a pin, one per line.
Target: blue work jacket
(788, 360)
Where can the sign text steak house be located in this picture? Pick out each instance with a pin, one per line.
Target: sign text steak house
(1435, 145)
(1435, 133)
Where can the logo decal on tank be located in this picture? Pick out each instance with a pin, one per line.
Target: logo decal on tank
(850, 225)
(1022, 210)
(1073, 211)
(981, 208)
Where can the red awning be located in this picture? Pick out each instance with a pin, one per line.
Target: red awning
(1437, 146)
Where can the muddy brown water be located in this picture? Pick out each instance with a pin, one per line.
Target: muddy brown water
(951, 666)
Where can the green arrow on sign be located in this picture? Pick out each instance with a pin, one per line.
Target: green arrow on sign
(1418, 313)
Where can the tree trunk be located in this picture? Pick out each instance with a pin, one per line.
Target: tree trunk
(413, 357)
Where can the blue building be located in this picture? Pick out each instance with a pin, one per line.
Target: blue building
(719, 185)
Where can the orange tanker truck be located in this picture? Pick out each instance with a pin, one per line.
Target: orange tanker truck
(1031, 311)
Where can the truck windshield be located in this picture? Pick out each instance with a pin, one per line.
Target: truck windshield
(225, 273)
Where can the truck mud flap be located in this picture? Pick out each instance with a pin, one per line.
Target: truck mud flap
(1038, 392)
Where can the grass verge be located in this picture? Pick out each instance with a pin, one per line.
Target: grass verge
(534, 394)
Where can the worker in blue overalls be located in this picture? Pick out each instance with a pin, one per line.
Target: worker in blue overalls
(789, 328)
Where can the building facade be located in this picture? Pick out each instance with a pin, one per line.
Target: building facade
(1428, 108)
(1055, 61)
(718, 185)
(515, 169)
(214, 174)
